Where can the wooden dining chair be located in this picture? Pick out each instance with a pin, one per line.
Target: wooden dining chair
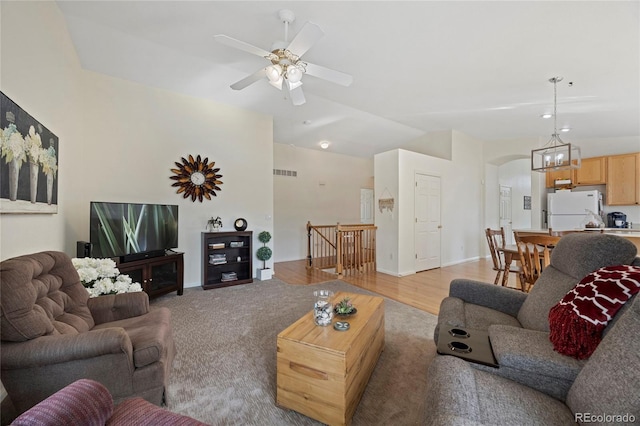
(496, 239)
(535, 255)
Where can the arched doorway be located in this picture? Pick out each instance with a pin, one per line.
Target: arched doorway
(515, 172)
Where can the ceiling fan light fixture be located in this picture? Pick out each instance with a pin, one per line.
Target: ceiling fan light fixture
(274, 73)
(285, 57)
(293, 84)
(294, 73)
(277, 84)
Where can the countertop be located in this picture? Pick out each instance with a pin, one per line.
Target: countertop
(616, 230)
(626, 232)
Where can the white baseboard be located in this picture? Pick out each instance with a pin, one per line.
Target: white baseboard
(457, 262)
(384, 271)
(396, 274)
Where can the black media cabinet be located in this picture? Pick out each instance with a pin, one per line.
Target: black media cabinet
(227, 259)
(157, 275)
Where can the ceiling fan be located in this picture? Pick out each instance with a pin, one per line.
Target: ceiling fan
(287, 68)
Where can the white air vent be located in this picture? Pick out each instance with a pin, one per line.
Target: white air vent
(280, 172)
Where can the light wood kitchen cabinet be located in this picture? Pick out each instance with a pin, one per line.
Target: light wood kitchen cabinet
(593, 171)
(558, 175)
(623, 180)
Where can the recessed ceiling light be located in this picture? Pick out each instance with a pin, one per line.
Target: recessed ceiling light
(547, 115)
(324, 144)
(565, 129)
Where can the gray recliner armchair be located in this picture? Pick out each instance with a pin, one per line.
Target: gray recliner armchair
(604, 392)
(518, 323)
(54, 334)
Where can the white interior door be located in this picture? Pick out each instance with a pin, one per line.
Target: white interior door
(366, 205)
(505, 213)
(427, 222)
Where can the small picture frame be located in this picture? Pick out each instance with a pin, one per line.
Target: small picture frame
(527, 202)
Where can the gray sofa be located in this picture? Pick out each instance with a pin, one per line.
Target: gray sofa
(606, 387)
(517, 322)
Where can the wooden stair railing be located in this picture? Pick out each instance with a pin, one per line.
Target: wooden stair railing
(321, 246)
(350, 249)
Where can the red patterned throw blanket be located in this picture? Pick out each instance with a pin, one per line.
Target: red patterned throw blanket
(577, 321)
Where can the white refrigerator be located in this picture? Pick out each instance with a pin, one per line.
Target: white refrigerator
(568, 209)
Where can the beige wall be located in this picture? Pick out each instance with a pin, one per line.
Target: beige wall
(40, 72)
(387, 185)
(516, 174)
(325, 191)
(461, 204)
(119, 140)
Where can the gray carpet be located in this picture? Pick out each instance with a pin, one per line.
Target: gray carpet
(225, 370)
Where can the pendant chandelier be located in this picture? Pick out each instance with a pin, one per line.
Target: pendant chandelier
(555, 154)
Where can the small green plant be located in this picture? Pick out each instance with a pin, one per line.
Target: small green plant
(214, 223)
(344, 306)
(264, 253)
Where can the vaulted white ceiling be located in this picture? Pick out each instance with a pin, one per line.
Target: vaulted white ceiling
(480, 67)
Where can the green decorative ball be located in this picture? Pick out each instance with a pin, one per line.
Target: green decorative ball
(264, 237)
(264, 253)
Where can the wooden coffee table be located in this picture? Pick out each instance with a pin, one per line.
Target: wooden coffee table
(322, 372)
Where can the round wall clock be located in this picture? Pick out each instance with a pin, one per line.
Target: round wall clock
(196, 178)
(240, 224)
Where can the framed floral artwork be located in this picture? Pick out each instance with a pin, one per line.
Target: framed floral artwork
(28, 162)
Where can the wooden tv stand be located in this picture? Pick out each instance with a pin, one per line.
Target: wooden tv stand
(157, 275)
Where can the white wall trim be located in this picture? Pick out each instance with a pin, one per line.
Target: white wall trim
(457, 262)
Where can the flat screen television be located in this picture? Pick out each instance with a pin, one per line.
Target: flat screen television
(132, 231)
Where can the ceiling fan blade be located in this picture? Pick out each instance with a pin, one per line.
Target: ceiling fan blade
(239, 85)
(305, 38)
(297, 96)
(329, 74)
(232, 42)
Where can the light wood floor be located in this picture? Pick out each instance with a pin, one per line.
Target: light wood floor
(424, 290)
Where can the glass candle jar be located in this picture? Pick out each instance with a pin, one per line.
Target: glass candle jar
(323, 308)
